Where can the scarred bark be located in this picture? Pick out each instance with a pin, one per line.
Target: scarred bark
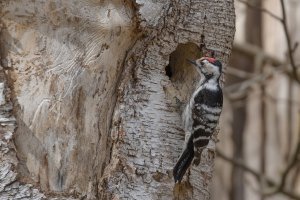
(97, 116)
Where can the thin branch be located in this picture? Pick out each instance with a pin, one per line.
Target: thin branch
(288, 40)
(253, 50)
(261, 9)
(282, 100)
(244, 167)
(295, 47)
(239, 73)
(283, 21)
(294, 160)
(291, 164)
(241, 88)
(258, 176)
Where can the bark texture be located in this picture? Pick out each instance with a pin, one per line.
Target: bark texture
(97, 115)
(147, 134)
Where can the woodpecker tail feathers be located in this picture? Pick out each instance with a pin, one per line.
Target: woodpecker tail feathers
(184, 162)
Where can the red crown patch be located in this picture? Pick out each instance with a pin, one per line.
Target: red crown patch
(211, 60)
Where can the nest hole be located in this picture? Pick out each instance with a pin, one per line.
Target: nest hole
(169, 71)
(178, 65)
(181, 73)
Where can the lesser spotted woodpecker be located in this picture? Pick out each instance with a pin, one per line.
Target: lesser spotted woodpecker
(201, 114)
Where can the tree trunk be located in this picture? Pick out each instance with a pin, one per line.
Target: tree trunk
(95, 90)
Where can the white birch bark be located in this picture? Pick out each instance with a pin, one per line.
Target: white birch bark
(97, 115)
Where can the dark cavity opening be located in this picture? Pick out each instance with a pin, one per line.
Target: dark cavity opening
(169, 71)
(181, 73)
(178, 65)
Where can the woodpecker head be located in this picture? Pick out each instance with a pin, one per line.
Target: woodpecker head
(209, 67)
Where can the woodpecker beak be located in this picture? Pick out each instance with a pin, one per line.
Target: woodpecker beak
(192, 62)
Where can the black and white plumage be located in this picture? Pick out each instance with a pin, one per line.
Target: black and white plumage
(201, 114)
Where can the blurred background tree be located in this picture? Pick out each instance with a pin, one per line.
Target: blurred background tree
(259, 149)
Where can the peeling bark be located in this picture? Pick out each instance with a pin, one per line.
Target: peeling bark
(97, 116)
